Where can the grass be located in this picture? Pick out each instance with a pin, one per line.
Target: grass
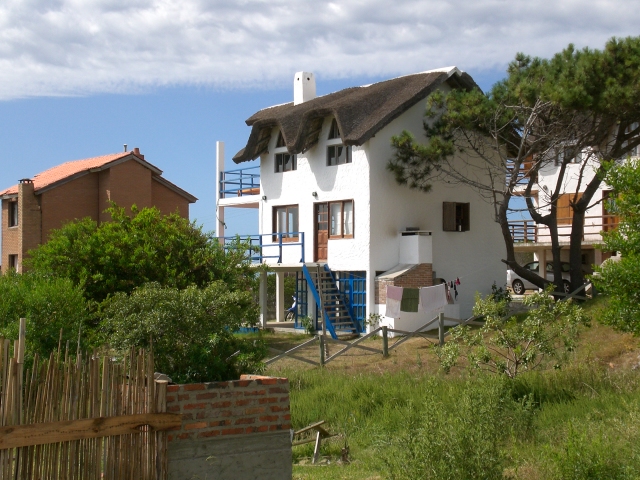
(402, 418)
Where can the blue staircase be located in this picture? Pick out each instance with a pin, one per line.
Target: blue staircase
(336, 311)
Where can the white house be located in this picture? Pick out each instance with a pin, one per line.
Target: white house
(326, 197)
(579, 172)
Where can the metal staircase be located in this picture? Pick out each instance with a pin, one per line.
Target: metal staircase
(336, 311)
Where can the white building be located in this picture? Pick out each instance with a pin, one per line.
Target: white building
(579, 172)
(326, 197)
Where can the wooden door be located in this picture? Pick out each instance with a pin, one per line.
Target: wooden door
(322, 231)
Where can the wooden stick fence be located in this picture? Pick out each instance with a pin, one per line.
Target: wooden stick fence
(82, 418)
(324, 340)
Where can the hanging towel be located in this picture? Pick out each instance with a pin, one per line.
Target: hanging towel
(394, 297)
(410, 300)
(433, 298)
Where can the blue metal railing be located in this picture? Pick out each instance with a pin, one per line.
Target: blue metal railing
(240, 182)
(267, 246)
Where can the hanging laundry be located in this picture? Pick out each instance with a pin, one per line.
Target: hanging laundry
(457, 280)
(433, 298)
(394, 297)
(455, 290)
(410, 300)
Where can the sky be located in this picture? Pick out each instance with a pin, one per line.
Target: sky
(80, 78)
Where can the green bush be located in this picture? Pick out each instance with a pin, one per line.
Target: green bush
(455, 439)
(129, 251)
(49, 305)
(192, 329)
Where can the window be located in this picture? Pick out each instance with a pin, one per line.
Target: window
(337, 153)
(13, 262)
(341, 219)
(285, 221)
(455, 217)
(570, 153)
(284, 161)
(13, 214)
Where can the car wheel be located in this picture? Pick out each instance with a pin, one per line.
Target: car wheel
(518, 287)
(567, 286)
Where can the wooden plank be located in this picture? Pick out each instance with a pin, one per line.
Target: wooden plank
(288, 352)
(355, 344)
(69, 430)
(309, 427)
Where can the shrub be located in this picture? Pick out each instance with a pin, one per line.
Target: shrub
(49, 305)
(192, 329)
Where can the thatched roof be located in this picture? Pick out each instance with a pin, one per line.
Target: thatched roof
(359, 111)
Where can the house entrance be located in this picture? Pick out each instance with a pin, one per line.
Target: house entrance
(322, 231)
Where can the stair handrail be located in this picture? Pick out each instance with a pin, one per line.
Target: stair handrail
(326, 323)
(344, 299)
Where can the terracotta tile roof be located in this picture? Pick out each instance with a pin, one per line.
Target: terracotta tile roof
(73, 168)
(359, 111)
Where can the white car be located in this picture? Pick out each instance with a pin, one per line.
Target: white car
(519, 284)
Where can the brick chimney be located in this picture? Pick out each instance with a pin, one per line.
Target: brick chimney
(136, 152)
(29, 219)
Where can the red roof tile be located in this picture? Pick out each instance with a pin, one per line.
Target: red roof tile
(69, 169)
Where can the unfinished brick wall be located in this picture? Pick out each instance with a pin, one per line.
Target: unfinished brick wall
(420, 275)
(231, 430)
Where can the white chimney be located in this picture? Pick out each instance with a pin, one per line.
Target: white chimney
(304, 87)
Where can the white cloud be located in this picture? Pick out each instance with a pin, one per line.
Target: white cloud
(78, 47)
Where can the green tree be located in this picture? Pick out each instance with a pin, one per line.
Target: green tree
(49, 305)
(131, 250)
(192, 329)
(510, 346)
(621, 280)
(578, 101)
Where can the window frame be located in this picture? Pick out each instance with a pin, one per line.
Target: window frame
(13, 214)
(456, 216)
(342, 235)
(274, 222)
(334, 141)
(279, 154)
(12, 261)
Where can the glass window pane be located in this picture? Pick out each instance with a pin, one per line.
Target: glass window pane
(293, 220)
(348, 218)
(335, 210)
(331, 155)
(281, 225)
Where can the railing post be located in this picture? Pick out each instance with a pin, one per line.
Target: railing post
(302, 246)
(280, 247)
(385, 342)
(321, 337)
(441, 328)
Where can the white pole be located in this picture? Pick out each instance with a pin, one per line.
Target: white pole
(219, 172)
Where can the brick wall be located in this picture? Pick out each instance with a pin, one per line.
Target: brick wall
(167, 201)
(231, 430)
(419, 276)
(130, 183)
(72, 200)
(10, 237)
(29, 221)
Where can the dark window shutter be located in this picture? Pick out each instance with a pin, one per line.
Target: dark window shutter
(466, 218)
(449, 216)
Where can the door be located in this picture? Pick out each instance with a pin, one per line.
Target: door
(322, 231)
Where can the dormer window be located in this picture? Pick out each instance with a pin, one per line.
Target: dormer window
(284, 161)
(337, 152)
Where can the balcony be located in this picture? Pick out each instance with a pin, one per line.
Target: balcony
(527, 232)
(271, 248)
(240, 188)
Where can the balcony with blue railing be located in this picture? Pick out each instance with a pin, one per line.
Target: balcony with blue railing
(270, 248)
(240, 182)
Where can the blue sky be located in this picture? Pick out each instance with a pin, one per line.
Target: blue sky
(80, 78)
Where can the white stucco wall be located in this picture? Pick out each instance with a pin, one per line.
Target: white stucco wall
(340, 182)
(473, 256)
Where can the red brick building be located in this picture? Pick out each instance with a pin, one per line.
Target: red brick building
(78, 189)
